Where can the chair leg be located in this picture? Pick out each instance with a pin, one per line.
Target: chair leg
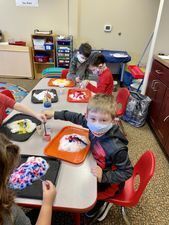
(125, 216)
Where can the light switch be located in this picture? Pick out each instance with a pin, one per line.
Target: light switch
(107, 28)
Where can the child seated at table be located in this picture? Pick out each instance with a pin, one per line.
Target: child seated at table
(79, 64)
(105, 81)
(108, 146)
(7, 102)
(10, 213)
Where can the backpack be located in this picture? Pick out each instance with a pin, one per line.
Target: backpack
(137, 109)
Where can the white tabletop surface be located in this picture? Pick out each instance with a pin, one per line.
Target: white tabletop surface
(76, 186)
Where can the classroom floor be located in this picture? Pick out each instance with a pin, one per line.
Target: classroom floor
(153, 207)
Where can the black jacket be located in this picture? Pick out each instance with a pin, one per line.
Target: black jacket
(112, 155)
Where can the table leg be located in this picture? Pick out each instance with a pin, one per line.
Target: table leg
(122, 73)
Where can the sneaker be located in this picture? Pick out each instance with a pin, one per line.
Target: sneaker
(98, 208)
(104, 212)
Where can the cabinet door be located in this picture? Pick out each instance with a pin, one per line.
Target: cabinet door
(163, 120)
(156, 91)
(167, 146)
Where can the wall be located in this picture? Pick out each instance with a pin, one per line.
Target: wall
(135, 19)
(20, 22)
(162, 43)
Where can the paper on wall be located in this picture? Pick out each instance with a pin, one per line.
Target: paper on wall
(27, 3)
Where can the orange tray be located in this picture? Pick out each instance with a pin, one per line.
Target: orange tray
(72, 91)
(69, 83)
(74, 157)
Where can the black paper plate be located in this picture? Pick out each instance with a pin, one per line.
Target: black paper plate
(35, 190)
(37, 91)
(16, 136)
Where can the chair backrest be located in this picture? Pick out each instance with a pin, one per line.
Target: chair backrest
(144, 170)
(121, 100)
(64, 73)
(8, 93)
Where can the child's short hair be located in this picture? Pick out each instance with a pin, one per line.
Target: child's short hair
(96, 59)
(85, 49)
(102, 103)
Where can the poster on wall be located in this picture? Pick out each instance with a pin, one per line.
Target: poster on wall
(27, 3)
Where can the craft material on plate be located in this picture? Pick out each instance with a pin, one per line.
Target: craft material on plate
(58, 82)
(27, 173)
(61, 81)
(70, 144)
(73, 143)
(22, 126)
(78, 95)
(40, 96)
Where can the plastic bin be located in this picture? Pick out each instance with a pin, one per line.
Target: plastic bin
(49, 46)
(41, 58)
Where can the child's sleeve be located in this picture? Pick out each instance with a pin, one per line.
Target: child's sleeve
(101, 86)
(73, 117)
(7, 101)
(122, 169)
(73, 66)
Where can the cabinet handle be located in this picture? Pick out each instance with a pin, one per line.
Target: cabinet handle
(155, 86)
(166, 118)
(152, 84)
(158, 72)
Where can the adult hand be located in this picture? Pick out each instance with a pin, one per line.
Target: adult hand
(49, 192)
(97, 172)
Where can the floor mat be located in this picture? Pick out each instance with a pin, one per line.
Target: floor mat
(18, 92)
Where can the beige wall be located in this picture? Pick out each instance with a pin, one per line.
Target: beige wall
(162, 44)
(135, 19)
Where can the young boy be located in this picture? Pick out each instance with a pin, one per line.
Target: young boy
(105, 79)
(7, 102)
(79, 64)
(108, 146)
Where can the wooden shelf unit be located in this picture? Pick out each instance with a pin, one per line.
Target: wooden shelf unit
(43, 52)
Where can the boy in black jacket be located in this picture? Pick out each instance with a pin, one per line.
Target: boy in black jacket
(108, 146)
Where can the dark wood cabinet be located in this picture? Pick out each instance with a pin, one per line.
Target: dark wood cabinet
(158, 91)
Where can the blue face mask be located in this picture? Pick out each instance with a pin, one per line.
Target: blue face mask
(99, 129)
(96, 72)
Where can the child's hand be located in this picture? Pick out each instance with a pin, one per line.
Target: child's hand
(49, 114)
(97, 172)
(42, 117)
(77, 79)
(49, 192)
(84, 83)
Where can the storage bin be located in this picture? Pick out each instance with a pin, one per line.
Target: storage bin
(39, 44)
(49, 46)
(41, 58)
(63, 42)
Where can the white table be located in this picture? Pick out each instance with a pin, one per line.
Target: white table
(76, 186)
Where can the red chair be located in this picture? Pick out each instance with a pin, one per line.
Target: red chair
(121, 100)
(64, 73)
(130, 195)
(9, 94)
